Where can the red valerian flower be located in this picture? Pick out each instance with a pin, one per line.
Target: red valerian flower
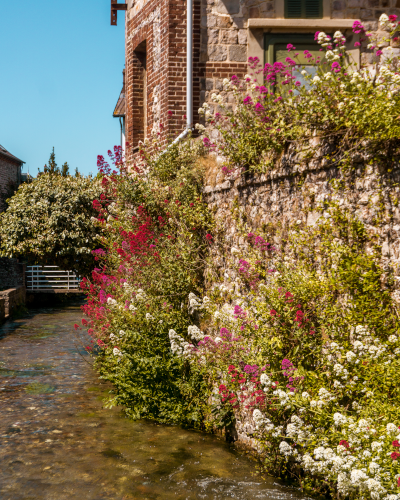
(344, 443)
(395, 455)
(209, 237)
(398, 482)
(272, 312)
(396, 444)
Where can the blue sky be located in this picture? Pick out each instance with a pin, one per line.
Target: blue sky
(60, 78)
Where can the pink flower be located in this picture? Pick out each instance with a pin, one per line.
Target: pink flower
(379, 52)
(316, 35)
(357, 27)
(357, 44)
(396, 443)
(209, 237)
(392, 18)
(336, 67)
(395, 455)
(297, 84)
(290, 47)
(344, 443)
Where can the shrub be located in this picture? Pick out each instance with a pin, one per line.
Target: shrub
(154, 227)
(48, 221)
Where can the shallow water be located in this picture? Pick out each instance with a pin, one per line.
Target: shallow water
(57, 441)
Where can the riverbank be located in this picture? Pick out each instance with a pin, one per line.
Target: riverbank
(57, 441)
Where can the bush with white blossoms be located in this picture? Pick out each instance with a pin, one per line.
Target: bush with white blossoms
(49, 221)
(304, 342)
(342, 107)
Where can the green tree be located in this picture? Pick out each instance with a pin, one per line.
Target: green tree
(52, 167)
(48, 221)
(65, 169)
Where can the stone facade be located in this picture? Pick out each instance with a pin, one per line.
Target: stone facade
(226, 33)
(291, 193)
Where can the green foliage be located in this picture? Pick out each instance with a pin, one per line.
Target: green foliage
(48, 221)
(328, 117)
(305, 343)
(153, 224)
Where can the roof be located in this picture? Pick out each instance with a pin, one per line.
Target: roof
(120, 107)
(4, 152)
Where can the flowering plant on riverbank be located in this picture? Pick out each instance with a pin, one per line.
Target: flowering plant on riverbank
(303, 346)
(285, 105)
(154, 226)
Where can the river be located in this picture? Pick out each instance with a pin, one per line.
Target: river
(57, 441)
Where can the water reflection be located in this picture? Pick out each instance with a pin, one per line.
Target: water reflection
(57, 442)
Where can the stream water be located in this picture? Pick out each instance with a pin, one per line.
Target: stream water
(57, 441)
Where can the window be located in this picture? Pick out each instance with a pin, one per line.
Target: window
(308, 50)
(308, 9)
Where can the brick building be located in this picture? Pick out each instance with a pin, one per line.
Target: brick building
(224, 34)
(10, 174)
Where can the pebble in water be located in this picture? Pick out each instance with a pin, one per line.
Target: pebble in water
(57, 442)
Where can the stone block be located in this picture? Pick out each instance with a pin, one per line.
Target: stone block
(217, 53)
(213, 35)
(266, 9)
(238, 53)
(224, 22)
(242, 37)
(355, 3)
(338, 14)
(229, 36)
(227, 6)
(209, 21)
(209, 84)
(254, 12)
(338, 5)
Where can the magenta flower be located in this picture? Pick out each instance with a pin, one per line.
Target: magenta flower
(379, 52)
(290, 47)
(357, 44)
(297, 84)
(336, 67)
(357, 27)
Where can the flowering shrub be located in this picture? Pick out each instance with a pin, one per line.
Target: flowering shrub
(153, 225)
(340, 105)
(306, 358)
(49, 220)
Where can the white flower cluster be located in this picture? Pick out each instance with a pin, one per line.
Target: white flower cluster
(339, 38)
(217, 98)
(262, 422)
(179, 346)
(205, 110)
(195, 333)
(323, 39)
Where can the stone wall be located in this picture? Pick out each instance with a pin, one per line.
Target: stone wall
(12, 273)
(13, 299)
(291, 193)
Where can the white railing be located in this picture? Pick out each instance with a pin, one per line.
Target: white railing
(50, 277)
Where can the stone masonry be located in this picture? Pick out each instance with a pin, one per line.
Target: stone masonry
(226, 33)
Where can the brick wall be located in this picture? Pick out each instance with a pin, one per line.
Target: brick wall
(221, 49)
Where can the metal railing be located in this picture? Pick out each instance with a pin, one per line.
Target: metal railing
(50, 277)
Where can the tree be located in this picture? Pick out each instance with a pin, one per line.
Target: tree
(52, 168)
(48, 221)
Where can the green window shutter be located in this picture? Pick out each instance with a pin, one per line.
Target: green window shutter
(293, 8)
(308, 9)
